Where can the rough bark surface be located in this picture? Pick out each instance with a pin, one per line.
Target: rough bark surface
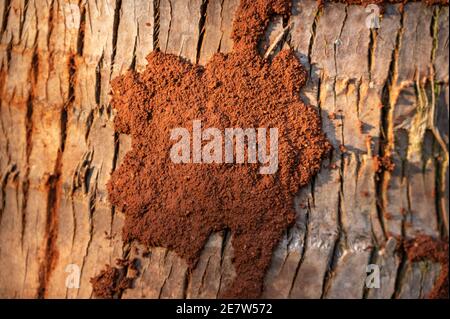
(380, 92)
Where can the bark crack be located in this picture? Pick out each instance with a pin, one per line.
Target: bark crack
(221, 26)
(156, 14)
(305, 246)
(170, 25)
(201, 28)
(7, 6)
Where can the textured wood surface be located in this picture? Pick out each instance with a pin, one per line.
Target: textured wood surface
(379, 92)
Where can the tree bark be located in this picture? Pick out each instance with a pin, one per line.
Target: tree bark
(387, 87)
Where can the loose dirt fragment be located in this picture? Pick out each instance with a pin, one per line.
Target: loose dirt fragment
(383, 163)
(424, 248)
(112, 281)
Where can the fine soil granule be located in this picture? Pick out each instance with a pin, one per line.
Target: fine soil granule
(178, 206)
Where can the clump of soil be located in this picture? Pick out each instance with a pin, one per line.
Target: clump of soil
(179, 205)
(424, 248)
(112, 281)
(383, 163)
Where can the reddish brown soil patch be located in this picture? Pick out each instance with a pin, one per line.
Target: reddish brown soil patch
(426, 248)
(179, 205)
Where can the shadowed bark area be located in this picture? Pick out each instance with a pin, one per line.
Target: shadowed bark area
(380, 92)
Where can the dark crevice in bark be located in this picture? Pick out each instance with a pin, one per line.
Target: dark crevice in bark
(156, 14)
(26, 181)
(358, 113)
(441, 165)
(50, 234)
(89, 121)
(437, 189)
(115, 31)
(111, 225)
(91, 209)
(23, 16)
(305, 245)
(185, 285)
(7, 6)
(335, 49)
(440, 194)
(385, 144)
(50, 23)
(201, 28)
(202, 281)
(114, 166)
(81, 30)
(403, 265)
(226, 237)
(98, 80)
(9, 48)
(319, 103)
(400, 274)
(116, 151)
(331, 266)
(335, 249)
(133, 60)
(11, 170)
(434, 28)
(88, 246)
(441, 160)
(312, 41)
(161, 288)
(74, 219)
(219, 47)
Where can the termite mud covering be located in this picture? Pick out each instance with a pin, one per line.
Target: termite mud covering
(178, 206)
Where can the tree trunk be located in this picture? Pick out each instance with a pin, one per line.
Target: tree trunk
(386, 90)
